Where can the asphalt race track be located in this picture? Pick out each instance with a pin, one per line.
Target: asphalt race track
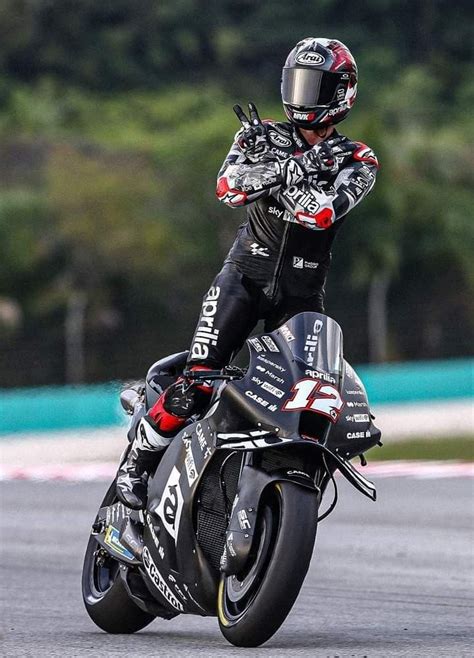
(392, 578)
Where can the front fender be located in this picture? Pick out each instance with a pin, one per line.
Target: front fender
(243, 519)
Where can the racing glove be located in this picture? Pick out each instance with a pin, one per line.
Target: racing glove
(252, 139)
(308, 166)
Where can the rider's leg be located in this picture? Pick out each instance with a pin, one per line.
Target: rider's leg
(228, 314)
(154, 433)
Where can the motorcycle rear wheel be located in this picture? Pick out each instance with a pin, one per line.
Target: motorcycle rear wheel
(253, 606)
(103, 591)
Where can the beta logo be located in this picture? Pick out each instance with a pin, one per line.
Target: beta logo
(310, 59)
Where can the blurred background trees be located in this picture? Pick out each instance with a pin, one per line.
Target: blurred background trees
(114, 119)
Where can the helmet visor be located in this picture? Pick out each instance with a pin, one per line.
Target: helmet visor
(308, 87)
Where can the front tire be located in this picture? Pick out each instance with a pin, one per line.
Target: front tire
(103, 591)
(253, 606)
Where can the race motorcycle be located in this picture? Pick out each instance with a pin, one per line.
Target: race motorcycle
(234, 504)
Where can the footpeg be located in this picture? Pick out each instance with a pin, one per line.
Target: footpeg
(131, 537)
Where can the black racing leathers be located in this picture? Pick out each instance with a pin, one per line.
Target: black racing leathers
(278, 263)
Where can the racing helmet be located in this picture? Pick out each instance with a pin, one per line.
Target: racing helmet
(319, 83)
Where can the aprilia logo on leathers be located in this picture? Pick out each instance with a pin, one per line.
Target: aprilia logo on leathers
(205, 333)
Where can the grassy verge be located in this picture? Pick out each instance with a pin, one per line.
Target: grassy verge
(460, 448)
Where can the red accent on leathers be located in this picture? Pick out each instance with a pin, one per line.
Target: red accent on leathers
(167, 422)
(228, 195)
(323, 219)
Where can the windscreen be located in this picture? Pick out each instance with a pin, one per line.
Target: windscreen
(315, 340)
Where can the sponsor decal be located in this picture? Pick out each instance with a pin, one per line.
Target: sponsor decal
(310, 59)
(304, 116)
(311, 345)
(358, 435)
(354, 391)
(278, 393)
(159, 581)
(257, 380)
(154, 536)
(341, 108)
(256, 344)
(111, 538)
(314, 396)
(356, 404)
(116, 513)
(305, 199)
(340, 94)
(205, 333)
(230, 544)
(293, 173)
(258, 250)
(273, 210)
(278, 152)
(286, 333)
(177, 588)
(272, 363)
(279, 139)
(324, 376)
(189, 462)
(298, 262)
(171, 504)
(358, 418)
(292, 472)
(205, 448)
(270, 374)
(270, 343)
(244, 522)
(259, 400)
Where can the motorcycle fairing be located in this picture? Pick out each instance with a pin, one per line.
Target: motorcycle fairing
(283, 365)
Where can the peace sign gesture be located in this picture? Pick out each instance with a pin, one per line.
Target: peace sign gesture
(253, 137)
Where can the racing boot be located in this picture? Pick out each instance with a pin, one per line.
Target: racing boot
(154, 433)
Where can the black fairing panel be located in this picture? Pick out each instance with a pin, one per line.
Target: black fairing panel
(298, 384)
(170, 530)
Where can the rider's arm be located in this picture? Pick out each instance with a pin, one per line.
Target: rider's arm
(317, 209)
(241, 182)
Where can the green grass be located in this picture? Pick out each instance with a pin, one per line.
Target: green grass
(460, 448)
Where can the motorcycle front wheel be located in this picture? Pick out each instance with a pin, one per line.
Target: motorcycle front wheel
(103, 591)
(252, 606)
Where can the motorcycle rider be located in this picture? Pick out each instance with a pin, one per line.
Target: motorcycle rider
(298, 179)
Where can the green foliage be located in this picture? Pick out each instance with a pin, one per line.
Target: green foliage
(117, 116)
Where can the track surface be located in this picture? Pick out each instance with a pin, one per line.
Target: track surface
(387, 579)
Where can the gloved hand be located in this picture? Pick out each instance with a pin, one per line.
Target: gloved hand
(319, 159)
(253, 139)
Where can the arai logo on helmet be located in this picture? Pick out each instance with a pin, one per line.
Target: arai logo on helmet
(310, 59)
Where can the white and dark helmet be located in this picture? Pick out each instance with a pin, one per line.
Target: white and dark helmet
(319, 83)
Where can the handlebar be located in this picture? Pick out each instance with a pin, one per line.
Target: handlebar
(228, 373)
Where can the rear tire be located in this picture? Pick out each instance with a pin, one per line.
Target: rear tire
(103, 591)
(253, 606)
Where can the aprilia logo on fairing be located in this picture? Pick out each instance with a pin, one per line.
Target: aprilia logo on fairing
(205, 333)
(159, 581)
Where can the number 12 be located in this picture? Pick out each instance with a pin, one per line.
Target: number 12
(315, 396)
